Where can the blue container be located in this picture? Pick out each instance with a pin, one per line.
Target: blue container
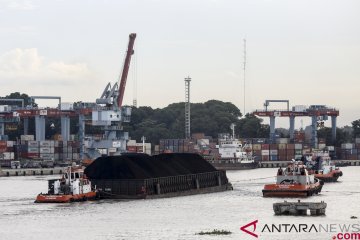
(273, 157)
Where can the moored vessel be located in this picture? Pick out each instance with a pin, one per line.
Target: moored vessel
(293, 181)
(72, 187)
(234, 155)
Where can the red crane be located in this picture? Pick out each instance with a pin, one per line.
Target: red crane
(130, 51)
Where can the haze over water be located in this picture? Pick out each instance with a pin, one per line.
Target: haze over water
(170, 218)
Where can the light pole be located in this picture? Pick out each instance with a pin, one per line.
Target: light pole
(143, 143)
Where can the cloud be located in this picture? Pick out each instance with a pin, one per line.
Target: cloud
(19, 5)
(21, 64)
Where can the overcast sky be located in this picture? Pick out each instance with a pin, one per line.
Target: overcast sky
(305, 51)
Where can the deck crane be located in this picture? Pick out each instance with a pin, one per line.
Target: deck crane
(111, 113)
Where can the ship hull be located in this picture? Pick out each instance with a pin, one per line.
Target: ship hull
(234, 166)
(329, 177)
(65, 198)
(278, 190)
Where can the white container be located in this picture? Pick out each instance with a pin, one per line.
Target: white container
(298, 146)
(27, 137)
(203, 142)
(321, 146)
(265, 152)
(347, 146)
(9, 143)
(33, 144)
(5, 108)
(66, 106)
(33, 150)
(112, 150)
(273, 152)
(75, 156)
(47, 156)
(131, 143)
(6, 155)
(330, 148)
(282, 140)
(299, 108)
(46, 150)
(46, 143)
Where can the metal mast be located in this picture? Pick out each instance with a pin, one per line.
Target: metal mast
(187, 107)
(244, 72)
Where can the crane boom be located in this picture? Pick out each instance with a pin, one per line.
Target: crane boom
(125, 70)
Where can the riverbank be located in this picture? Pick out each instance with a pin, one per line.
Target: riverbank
(7, 172)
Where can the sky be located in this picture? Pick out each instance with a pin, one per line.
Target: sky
(304, 51)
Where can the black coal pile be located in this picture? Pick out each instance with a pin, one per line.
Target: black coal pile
(142, 166)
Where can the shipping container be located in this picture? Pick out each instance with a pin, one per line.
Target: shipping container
(46, 150)
(257, 153)
(256, 147)
(273, 152)
(27, 137)
(330, 148)
(33, 150)
(259, 140)
(265, 157)
(47, 143)
(290, 146)
(273, 146)
(282, 140)
(47, 156)
(298, 146)
(3, 144)
(273, 157)
(131, 148)
(282, 146)
(32, 144)
(10, 144)
(347, 146)
(265, 152)
(265, 146)
(281, 152)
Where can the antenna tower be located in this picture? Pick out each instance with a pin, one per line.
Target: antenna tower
(187, 107)
(244, 68)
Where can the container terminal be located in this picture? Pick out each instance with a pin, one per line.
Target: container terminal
(35, 151)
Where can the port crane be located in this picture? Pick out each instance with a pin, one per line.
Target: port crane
(110, 113)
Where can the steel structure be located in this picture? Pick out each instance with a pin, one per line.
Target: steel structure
(113, 114)
(317, 113)
(187, 108)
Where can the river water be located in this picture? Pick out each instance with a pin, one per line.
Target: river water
(174, 218)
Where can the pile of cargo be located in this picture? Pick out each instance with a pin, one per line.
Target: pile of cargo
(142, 166)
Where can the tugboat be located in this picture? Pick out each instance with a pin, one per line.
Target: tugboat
(294, 181)
(322, 168)
(72, 187)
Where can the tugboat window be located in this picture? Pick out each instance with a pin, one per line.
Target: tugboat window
(76, 175)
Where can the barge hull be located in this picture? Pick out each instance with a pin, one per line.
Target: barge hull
(163, 187)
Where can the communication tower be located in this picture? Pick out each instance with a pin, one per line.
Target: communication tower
(187, 107)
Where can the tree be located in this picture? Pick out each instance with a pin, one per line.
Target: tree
(17, 95)
(356, 128)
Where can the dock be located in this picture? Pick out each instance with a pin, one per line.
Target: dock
(300, 208)
(31, 171)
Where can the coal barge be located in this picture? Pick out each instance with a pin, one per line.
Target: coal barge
(140, 176)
